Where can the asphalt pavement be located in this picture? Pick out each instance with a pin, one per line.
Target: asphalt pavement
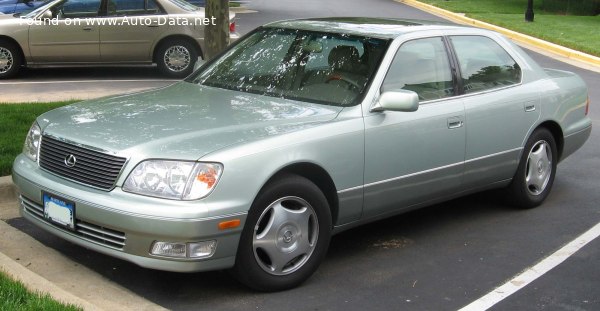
(439, 258)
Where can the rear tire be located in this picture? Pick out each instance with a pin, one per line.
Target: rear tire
(286, 235)
(537, 168)
(10, 59)
(176, 58)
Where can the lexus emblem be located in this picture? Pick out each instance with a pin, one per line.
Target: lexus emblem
(70, 160)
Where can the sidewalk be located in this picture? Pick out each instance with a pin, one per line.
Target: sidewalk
(561, 53)
(45, 270)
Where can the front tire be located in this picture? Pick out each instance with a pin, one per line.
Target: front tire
(176, 58)
(286, 235)
(10, 59)
(537, 168)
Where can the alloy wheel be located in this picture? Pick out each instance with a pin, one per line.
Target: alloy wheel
(285, 236)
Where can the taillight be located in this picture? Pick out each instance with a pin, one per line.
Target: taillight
(587, 106)
(232, 27)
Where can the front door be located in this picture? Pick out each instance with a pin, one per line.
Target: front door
(71, 36)
(415, 157)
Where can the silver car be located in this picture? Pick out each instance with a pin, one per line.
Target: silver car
(299, 131)
(169, 33)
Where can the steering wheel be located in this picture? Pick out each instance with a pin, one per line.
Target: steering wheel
(338, 77)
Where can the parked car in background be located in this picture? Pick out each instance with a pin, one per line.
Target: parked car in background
(169, 33)
(299, 131)
(20, 6)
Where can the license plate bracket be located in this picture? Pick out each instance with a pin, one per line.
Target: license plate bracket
(59, 211)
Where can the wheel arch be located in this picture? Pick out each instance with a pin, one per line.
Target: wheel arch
(317, 175)
(557, 133)
(13, 41)
(177, 37)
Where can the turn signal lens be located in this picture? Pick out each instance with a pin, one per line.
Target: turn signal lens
(230, 224)
(206, 177)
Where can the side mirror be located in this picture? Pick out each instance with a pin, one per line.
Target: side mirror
(46, 15)
(398, 100)
(199, 63)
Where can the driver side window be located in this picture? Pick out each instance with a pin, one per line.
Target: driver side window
(70, 9)
(421, 66)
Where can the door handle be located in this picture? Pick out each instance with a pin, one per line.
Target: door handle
(87, 29)
(455, 124)
(529, 108)
(153, 26)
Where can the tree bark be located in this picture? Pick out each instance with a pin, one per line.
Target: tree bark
(529, 12)
(216, 36)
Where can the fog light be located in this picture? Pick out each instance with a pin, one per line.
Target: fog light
(184, 250)
(169, 249)
(202, 249)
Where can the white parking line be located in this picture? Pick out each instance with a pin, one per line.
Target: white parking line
(85, 81)
(531, 274)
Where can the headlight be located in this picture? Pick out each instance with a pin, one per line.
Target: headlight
(32, 142)
(173, 179)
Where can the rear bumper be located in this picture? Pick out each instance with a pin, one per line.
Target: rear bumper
(574, 141)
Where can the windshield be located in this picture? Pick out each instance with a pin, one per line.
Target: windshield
(326, 68)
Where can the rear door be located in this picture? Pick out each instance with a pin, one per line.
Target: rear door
(130, 30)
(499, 109)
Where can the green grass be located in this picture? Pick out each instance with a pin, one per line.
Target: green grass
(576, 32)
(16, 119)
(14, 296)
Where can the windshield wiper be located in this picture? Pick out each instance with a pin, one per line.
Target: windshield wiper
(17, 14)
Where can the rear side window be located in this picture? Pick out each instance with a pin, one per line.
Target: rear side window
(132, 7)
(484, 64)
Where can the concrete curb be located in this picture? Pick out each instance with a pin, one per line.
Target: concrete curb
(30, 279)
(45, 270)
(553, 48)
(36, 283)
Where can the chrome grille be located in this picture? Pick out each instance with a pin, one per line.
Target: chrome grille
(92, 168)
(88, 231)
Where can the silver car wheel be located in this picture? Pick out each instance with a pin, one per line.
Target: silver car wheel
(6, 60)
(539, 167)
(285, 236)
(177, 58)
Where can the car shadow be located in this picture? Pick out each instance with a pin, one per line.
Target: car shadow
(349, 251)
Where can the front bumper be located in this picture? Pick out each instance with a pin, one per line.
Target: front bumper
(125, 225)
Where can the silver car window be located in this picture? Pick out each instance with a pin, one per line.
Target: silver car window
(422, 66)
(69, 9)
(484, 64)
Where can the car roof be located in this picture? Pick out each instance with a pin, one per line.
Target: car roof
(384, 28)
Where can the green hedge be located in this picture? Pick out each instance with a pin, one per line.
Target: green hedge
(572, 7)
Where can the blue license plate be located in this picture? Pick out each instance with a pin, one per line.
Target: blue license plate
(59, 211)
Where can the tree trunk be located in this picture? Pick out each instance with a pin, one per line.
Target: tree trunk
(216, 36)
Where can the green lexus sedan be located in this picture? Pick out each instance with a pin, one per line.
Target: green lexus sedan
(300, 130)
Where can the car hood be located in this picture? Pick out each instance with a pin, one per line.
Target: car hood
(183, 121)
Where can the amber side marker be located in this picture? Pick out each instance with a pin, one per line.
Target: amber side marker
(229, 224)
